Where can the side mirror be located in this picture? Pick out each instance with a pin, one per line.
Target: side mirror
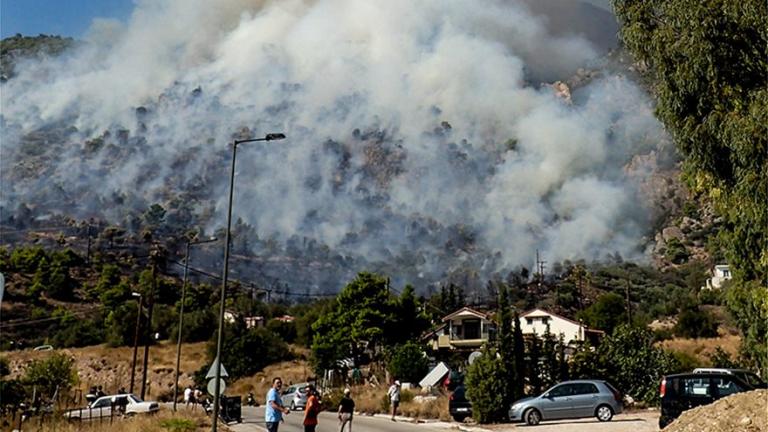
(546, 395)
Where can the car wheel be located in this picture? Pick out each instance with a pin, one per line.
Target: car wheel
(459, 418)
(604, 413)
(532, 417)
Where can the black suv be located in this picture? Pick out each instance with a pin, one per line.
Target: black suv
(458, 405)
(682, 392)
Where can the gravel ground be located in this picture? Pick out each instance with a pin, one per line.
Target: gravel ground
(641, 421)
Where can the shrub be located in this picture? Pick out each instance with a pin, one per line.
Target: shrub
(179, 425)
(486, 387)
(408, 363)
(55, 372)
(694, 322)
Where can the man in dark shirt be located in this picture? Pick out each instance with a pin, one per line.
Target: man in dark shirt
(346, 410)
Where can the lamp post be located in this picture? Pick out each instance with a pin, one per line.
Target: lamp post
(217, 378)
(181, 315)
(136, 338)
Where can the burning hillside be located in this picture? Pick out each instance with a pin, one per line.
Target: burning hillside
(420, 142)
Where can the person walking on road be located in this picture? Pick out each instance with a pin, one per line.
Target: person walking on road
(188, 396)
(312, 410)
(346, 410)
(274, 410)
(394, 397)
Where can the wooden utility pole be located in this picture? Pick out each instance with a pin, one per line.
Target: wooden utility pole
(153, 255)
(629, 304)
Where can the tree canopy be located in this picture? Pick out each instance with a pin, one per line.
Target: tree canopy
(708, 64)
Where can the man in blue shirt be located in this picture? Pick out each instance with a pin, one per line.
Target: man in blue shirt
(274, 409)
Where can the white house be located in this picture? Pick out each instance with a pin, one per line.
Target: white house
(536, 321)
(720, 274)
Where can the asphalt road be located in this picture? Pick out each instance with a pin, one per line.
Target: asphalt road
(253, 421)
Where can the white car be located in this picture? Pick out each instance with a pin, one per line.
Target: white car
(122, 404)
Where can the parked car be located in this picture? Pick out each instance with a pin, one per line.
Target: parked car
(458, 405)
(747, 376)
(295, 396)
(681, 392)
(567, 400)
(122, 404)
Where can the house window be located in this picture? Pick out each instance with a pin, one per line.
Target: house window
(471, 329)
(726, 273)
(529, 321)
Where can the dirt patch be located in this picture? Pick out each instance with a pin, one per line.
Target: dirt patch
(745, 412)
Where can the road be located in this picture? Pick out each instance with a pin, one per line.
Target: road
(253, 421)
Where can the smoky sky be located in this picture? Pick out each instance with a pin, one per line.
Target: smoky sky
(415, 129)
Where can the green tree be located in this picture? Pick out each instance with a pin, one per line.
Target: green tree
(694, 322)
(706, 61)
(629, 360)
(506, 343)
(486, 387)
(519, 362)
(363, 313)
(408, 362)
(55, 371)
(606, 313)
(247, 351)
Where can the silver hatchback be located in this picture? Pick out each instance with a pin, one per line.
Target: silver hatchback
(570, 399)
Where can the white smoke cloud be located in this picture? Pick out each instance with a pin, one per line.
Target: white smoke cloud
(319, 70)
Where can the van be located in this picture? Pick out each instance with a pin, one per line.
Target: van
(747, 376)
(681, 392)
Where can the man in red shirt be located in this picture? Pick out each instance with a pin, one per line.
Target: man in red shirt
(312, 410)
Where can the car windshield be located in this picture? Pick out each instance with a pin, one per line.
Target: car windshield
(135, 398)
(751, 379)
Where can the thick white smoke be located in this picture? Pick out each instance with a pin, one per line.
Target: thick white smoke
(406, 121)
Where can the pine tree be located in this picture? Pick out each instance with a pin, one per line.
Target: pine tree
(506, 344)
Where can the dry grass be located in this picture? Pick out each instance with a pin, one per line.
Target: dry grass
(111, 367)
(163, 421)
(701, 348)
(296, 371)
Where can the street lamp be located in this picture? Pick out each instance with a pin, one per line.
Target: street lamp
(136, 338)
(217, 377)
(181, 315)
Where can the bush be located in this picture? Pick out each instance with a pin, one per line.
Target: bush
(408, 363)
(286, 330)
(694, 322)
(486, 387)
(55, 372)
(247, 351)
(179, 425)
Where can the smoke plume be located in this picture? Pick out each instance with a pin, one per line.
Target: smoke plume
(420, 136)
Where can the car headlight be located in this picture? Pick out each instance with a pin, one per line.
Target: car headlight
(515, 407)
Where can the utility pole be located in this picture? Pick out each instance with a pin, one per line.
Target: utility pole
(150, 305)
(540, 265)
(136, 339)
(629, 304)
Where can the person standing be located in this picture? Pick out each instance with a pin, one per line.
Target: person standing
(188, 396)
(312, 410)
(394, 397)
(274, 410)
(346, 410)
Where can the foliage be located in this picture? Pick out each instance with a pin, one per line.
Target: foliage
(606, 313)
(286, 330)
(247, 351)
(179, 425)
(721, 359)
(694, 322)
(506, 344)
(408, 363)
(629, 360)
(707, 60)
(365, 316)
(19, 46)
(486, 387)
(57, 371)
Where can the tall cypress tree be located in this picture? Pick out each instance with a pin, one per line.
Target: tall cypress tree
(519, 363)
(506, 343)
